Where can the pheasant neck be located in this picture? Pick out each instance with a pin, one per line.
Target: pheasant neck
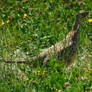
(76, 24)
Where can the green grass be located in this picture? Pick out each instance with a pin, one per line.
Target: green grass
(47, 22)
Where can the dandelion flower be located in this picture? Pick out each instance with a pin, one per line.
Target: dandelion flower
(8, 21)
(25, 15)
(90, 20)
(2, 23)
(38, 72)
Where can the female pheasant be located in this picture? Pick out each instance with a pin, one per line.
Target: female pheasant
(65, 48)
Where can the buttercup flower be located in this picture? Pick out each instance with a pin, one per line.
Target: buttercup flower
(38, 72)
(8, 21)
(25, 15)
(90, 20)
(26, 79)
(2, 23)
(44, 73)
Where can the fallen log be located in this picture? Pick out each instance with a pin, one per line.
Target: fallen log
(65, 48)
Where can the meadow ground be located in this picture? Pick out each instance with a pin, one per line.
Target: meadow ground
(33, 25)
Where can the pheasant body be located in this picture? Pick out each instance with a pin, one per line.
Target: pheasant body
(65, 48)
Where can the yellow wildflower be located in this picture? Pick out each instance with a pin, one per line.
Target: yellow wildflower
(25, 15)
(86, 91)
(2, 23)
(56, 90)
(12, 49)
(8, 21)
(26, 79)
(44, 73)
(38, 72)
(6, 45)
(90, 20)
(91, 53)
(34, 35)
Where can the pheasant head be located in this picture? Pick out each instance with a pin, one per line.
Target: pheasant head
(82, 14)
